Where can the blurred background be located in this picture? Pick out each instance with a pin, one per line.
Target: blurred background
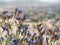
(37, 10)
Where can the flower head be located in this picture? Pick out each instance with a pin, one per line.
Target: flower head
(4, 27)
(58, 44)
(29, 33)
(56, 35)
(26, 26)
(30, 41)
(19, 10)
(40, 37)
(50, 30)
(25, 16)
(5, 12)
(15, 41)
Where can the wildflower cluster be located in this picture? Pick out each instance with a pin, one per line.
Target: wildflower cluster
(14, 32)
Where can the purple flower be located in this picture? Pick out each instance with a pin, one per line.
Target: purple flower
(19, 10)
(29, 33)
(25, 16)
(15, 41)
(50, 30)
(58, 44)
(5, 12)
(4, 27)
(56, 35)
(30, 41)
(40, 37)
(26, 27)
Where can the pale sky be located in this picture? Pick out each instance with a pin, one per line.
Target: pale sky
(33, 0)
(50, 0)
(16, 3)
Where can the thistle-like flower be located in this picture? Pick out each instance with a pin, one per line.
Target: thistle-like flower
(18, 10)
(15, 41)
(26, 26)
(4, 12)
(29, 33)
(31, 41)
(24, 16)
(56, 35)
